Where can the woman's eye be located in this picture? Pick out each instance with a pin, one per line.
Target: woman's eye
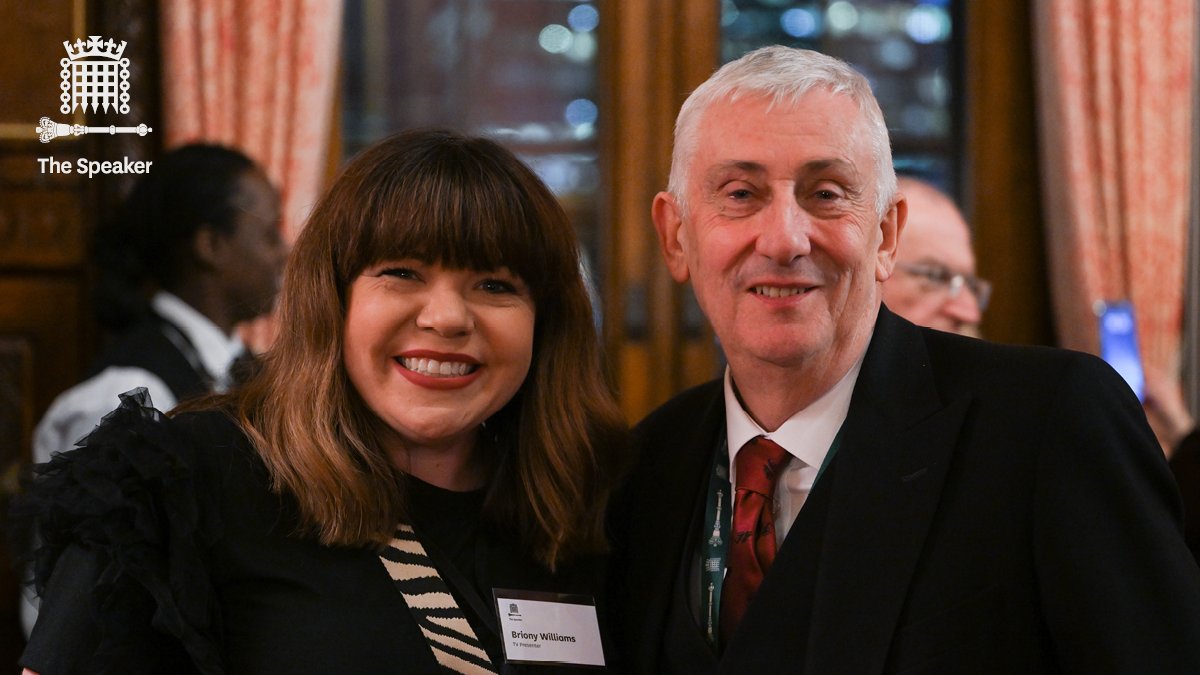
(497, 286)
(399, 273)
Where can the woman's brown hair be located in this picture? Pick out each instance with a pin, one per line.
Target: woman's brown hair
(465, 203)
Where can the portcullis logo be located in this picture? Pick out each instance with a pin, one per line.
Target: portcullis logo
(95, 77)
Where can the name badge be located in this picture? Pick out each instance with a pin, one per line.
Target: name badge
(549, 628)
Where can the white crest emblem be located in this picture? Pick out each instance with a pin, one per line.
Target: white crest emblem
(95, 75)
(95, 78)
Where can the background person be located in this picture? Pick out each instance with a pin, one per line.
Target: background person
(194, 250)
(859, 494)
(436, 368)
(934, 283)
(1176, 430)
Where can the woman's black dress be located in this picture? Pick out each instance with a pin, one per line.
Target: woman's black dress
(174, 555)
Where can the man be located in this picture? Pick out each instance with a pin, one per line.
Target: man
(935, 283)
(967, 507)
(202, 231)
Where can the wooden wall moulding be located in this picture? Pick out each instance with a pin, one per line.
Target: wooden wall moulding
(1004, 192)
(42, 317)
(16, 411)
(657, 51)
(32, 34)
(42, 220)
(46, 313)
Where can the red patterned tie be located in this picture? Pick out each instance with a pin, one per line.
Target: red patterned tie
(752, 550)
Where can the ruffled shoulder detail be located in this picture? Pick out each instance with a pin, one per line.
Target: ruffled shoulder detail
(129, 496)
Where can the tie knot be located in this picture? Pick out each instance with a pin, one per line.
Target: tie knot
(758, 465)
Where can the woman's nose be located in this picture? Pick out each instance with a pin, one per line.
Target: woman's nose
(446, 312)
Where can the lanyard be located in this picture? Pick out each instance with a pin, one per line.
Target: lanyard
(718, 516)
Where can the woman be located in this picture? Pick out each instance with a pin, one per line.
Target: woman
(436, 368)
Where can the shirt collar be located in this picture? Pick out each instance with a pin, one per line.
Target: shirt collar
(215, 349)
(807, 434)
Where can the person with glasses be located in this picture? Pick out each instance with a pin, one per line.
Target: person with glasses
(935, 283)
(857, 494)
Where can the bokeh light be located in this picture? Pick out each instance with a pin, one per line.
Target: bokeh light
(556, 38)
(583, 18)
(581, 111)
(927, 24)
(799, 22)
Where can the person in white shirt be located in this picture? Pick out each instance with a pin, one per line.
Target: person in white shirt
(194, 250)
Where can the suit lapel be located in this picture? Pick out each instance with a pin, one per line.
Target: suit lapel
(675, 471)
(683, 634)
(883, 488)
(898, 444)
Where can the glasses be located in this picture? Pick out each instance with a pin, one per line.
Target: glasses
(940, 277)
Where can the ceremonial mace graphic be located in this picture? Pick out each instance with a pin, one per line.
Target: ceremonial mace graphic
(48, 130)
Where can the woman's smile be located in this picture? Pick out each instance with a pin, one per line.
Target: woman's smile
(436, 370)
(435, 351)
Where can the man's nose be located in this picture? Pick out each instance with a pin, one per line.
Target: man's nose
(446, 312)
(785, 230)
(963, 307)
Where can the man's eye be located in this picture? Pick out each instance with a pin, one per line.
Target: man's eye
(827, 195)
(940, 274)
(741, 194)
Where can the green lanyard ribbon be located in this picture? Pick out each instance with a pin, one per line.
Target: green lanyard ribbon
(718, 510)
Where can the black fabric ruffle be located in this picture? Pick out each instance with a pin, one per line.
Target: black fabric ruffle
(129, 497)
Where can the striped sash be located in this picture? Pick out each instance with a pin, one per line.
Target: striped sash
(446, 629)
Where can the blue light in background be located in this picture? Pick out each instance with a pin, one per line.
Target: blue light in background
(581, 111)
(928, 24)
(799, 22)
(583, 18)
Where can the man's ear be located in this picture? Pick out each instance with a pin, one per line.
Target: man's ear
(890, 228)
(672, 236)
(208, 246)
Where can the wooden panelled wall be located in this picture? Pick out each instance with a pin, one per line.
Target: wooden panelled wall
(47, 334)
(1003, 202)
(657, 51)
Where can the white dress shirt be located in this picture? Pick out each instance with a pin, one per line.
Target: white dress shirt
(806, 436)
(76, 411)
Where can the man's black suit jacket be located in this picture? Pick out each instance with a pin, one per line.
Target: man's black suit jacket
(991, 509)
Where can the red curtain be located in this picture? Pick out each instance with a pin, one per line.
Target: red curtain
(1115, 108)
(259, 75)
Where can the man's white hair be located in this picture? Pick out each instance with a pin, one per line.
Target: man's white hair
(785, 75)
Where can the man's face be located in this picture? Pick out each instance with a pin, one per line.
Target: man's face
(780, 236)
(936, 243)
(254, 252)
